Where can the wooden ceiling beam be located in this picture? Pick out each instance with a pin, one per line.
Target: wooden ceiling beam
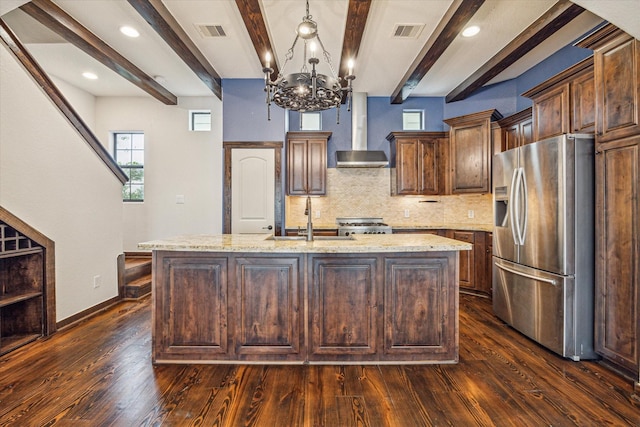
(256, 26)
(544, 27)
(451, 24)
(57, 20)
(357, 15)
(167, 27)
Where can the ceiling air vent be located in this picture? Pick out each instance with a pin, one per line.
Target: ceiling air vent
(407, 31)
(211, 30)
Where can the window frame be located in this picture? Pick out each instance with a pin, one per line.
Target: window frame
(413, 111)
(192, 121)
(129, 168)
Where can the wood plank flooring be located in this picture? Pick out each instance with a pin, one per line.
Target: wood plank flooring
(99, 373)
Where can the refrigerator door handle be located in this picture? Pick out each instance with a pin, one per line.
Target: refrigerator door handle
(517, 187)
(523, 194)
(512, 207)
(528, 276)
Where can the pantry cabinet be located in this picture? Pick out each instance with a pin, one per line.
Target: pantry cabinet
(418, 163)
(617, 298)
(307, 163)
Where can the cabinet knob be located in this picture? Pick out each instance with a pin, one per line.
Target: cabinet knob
(268, 228)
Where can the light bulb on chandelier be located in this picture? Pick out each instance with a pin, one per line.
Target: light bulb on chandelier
(307, 90)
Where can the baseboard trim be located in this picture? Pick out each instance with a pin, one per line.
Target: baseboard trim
(85, 314)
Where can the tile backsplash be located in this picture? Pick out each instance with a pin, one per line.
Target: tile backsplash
(365, 192)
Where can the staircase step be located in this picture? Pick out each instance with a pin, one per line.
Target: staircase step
(138, 288)
(136, 268)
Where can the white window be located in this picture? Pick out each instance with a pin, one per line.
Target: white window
(311, 121)
(129, 154)
(413, 120)
(200, 120)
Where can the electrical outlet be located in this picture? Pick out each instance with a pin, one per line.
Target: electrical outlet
(318, 213)
(470, 213)
(97, 281)
(406, 213)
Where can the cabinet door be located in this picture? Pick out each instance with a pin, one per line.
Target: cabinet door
(467, 260)
(512, 136)
(526, 132)
(420, 307)
(317, 167)
(551, 113)
(617, 74)
(618, 255)
(488, 264)
(428, 167)
(177, 313)
(267, 308)
(343, 308)
(297, 169)
(470, 163)
(407, 166)
(583, 101)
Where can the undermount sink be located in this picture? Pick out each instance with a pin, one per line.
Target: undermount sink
(302, 238)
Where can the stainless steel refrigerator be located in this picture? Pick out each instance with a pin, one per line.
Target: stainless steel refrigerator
(543, 242)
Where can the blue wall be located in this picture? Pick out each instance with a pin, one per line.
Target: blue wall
(245, 111)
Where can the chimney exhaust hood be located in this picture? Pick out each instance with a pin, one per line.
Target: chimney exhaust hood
(359, 156)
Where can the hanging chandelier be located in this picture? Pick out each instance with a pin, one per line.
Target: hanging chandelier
(307, 90)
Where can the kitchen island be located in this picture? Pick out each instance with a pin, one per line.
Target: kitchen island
(259, 299)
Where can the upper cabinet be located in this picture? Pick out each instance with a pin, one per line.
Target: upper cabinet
(516, 130)
(617, 78)
(418, 163)
(470, 151)
(565, 103)
(307, 163)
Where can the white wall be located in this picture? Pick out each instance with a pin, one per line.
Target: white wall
(51, 179)
(177, 162)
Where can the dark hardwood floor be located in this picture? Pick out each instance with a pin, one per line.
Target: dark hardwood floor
(100, 373)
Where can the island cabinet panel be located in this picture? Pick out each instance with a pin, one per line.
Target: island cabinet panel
(191, 307)
(268, 314)
(420, 315)
(344, 308)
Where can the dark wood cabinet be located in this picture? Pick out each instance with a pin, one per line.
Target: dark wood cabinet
(617, 334)
(474, 275)
(344, 296)
(418, 163)
(419, 315)
(467, 279)
(488, 263)
(617, 82)
(517, 129)
(470, 151)
(178, 312)
(617, 278)
(268, 312)
(564, 103)
(307, 163)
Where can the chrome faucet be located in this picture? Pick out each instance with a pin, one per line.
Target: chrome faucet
(307, 212)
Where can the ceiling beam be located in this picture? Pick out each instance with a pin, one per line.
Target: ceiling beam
(357, 15)
(167, 27)
(57, 20)
(544, 27)
(451, 24)
(42, 79)
(256, 26)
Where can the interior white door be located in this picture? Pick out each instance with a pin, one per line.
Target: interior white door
(252, 190)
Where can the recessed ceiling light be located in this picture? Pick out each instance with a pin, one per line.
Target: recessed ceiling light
(471, 31)
(89, 75)
(129, 31)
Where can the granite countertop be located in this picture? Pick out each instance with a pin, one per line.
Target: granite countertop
(369, 243)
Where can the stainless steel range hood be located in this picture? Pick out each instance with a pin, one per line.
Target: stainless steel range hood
(359, 156)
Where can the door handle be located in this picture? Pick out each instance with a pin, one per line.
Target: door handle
(268, 228)
(528, 276)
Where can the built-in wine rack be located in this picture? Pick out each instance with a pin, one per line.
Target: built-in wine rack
(21, 289)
